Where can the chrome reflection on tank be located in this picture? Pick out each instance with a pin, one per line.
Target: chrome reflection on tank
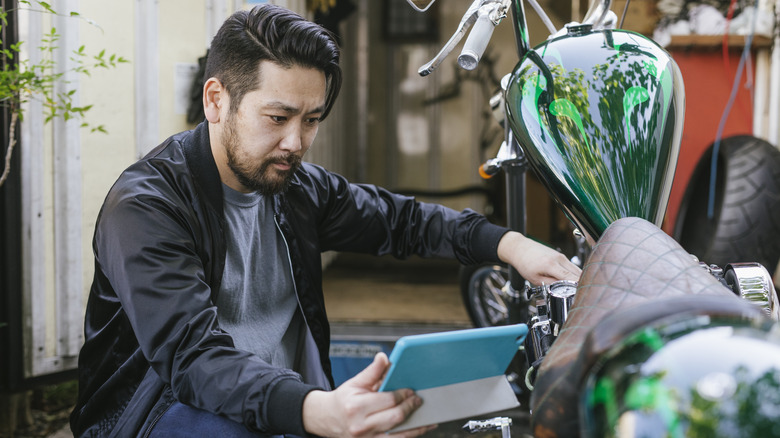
(752, 282)
(602, 129)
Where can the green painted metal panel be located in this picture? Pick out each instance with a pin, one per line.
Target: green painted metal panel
(599, 115)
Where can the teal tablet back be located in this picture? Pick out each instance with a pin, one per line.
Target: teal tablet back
(437, 359)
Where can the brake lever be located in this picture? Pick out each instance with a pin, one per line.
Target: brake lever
(469, 18)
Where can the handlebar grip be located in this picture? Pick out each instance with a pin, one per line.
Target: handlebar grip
(476, 42)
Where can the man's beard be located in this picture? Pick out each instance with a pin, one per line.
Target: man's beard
(263, 178)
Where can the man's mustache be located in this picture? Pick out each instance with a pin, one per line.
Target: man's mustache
(289, 159)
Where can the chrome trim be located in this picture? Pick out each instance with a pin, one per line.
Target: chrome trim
(539, 338)
(753, 283)
(560, 299)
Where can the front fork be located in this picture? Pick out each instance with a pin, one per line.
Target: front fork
(515, 173)
(552, 303)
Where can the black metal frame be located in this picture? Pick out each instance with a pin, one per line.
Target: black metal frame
(11, 347)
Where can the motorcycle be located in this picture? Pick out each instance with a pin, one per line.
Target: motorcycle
(650, 341)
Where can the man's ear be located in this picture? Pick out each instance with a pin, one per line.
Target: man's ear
(214, 98)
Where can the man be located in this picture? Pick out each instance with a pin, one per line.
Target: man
(206, 315)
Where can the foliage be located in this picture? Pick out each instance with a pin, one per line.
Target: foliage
(22, 80)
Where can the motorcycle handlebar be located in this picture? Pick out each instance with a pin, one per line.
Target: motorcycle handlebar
(468, 19)
(477, 40)
(598, 13)
(489, 169)
(481, 15)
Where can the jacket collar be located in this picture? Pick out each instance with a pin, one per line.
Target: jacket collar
(200, 161)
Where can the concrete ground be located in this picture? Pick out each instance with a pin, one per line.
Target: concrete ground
(382, 290)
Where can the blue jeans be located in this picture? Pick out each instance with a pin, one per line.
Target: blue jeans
(183, 421)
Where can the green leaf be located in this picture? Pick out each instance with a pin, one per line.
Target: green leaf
(47, 7)
(21, 80)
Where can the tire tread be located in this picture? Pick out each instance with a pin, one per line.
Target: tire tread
(747, 225)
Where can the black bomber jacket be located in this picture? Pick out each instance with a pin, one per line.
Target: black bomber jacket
(151, 329)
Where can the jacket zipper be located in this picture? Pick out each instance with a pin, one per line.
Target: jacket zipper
(292, 273)
(300, 307)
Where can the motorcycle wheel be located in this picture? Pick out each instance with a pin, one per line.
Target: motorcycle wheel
(480, 288)
(745, 226)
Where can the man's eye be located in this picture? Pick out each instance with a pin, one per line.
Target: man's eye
(278, 119)
(313, 120)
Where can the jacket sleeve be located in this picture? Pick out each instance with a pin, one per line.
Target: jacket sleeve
(370, 219)
(146, 246)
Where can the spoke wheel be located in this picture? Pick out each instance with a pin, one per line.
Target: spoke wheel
(481, 290)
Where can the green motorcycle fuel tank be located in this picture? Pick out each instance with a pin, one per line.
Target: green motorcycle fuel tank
(599, 115)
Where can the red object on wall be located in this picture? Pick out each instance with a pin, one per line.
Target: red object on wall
(708, 77)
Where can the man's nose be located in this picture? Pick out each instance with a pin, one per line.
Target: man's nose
(292, 141)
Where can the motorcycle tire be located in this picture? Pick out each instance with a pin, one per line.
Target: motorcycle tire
(745, 226)
(480, 288)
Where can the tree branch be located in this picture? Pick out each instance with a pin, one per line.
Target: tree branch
(10, 150)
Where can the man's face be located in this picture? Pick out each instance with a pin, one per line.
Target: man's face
(273, 127)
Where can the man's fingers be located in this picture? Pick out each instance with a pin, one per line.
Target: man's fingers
(569, 271)
(367, 405)
(386, 419)
(557, 272)
(382, 401)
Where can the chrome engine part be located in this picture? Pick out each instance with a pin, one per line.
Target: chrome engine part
(751, 281)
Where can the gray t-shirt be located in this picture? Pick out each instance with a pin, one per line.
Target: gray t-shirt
(257, 303)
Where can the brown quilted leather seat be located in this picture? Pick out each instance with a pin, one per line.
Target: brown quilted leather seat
(636, 274)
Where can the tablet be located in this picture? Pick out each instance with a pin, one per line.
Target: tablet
(456, 373)
(438, 359)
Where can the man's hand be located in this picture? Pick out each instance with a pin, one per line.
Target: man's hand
(356, 409)
(537, 263)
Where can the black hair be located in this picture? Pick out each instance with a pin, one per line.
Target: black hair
(271, 33)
